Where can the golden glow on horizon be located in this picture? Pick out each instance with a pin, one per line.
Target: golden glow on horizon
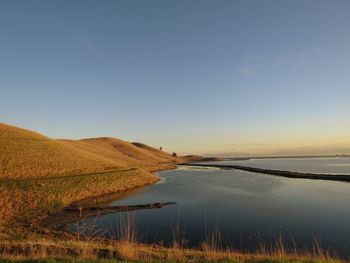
(295, 144)
(317, 135)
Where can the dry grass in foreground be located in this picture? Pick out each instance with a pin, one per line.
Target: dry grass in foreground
(47, 250)
(127, 248)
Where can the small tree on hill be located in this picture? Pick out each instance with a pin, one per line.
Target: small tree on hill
(174, 154)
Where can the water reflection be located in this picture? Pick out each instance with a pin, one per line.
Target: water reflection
(245, 207)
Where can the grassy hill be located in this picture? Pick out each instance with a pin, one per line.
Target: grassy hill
(27, 154)
(38, 173)
(121, 152)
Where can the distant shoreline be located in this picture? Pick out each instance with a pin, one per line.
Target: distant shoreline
(287, 174)
(283, 157)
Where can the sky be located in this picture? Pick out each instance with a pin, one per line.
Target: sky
(199, 76)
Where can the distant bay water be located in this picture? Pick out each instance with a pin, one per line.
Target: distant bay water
(321, 165)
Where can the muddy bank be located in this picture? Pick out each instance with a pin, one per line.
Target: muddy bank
(56, 223)
(288, 174)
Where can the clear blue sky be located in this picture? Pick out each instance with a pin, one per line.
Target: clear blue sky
(191, 76)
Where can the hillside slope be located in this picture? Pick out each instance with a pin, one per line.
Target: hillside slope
(125, 153)
(27, 154)
(154, 152)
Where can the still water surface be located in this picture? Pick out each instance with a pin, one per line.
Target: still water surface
(245, 207)
(324, 165)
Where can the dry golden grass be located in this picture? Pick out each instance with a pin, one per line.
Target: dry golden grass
(128, 247)
(136, 252)
(146, 149)
(124, 153)
(26, 199)
(28, 154)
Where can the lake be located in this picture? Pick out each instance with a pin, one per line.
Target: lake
(245, 207)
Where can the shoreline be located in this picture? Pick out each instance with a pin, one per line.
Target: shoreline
(55, 224)
(281, 173)
(284, 157)
(42, 198)
(58, 221)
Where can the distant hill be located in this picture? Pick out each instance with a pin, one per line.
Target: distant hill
(27, 154)
(198, 158)
(123, 153)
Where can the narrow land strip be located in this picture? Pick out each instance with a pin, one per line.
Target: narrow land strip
(288, 174)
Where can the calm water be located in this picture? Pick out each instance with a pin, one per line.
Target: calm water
(331, 165)
(244, 206)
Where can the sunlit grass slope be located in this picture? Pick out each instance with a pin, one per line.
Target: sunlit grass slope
(28, 154)
(25, 153)
(154, 152)
(124, 153)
